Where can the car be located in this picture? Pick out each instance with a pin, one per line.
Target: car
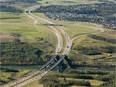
(67, 46)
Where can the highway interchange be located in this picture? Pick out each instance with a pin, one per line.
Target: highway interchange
(58, 31)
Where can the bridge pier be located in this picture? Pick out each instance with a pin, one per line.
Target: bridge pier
(60, 67)
(52, 62)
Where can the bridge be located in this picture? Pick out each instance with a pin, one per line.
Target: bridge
(51, 64)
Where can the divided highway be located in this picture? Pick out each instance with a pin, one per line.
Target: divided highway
(60, 42)
(29, 78)
(57, 30)
(58, 50)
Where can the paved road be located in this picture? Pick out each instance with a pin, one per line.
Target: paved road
(68, 40)
(67, 37)
(56, 31)
(59, 48)
(66, 51)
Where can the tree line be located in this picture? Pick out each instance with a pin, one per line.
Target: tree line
(69, 71)
(95, 50)
(110, 83)
(53, 81)
(17, 52)
(27, 1)
(95, 13)
(6, 8)
(103, 39)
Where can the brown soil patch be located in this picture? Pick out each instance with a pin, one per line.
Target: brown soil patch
(6, 38)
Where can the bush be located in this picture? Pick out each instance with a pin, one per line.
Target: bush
(95, 50)
(15, 34)
(111, 83)
(4, 8)
(105, 78)
(17, 52)
(86, 72)
(53, 81)
(103, 39)
(11, 70)
(79, 83)
(39, 39)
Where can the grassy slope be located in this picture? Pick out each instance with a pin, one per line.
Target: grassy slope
(76, 30)
(72, 2)
(72, 28)
(93, 82)
(24, 26)
(86, 41)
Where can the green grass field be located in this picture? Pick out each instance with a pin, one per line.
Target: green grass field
(77, 30)
(85, 41)
(24, 26)
(110, 34)
(71, 2)
(93, 82)
(73, 28)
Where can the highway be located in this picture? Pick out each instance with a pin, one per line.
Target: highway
(57, 31)
(60, 42)
(58, 50)
(68, 41)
